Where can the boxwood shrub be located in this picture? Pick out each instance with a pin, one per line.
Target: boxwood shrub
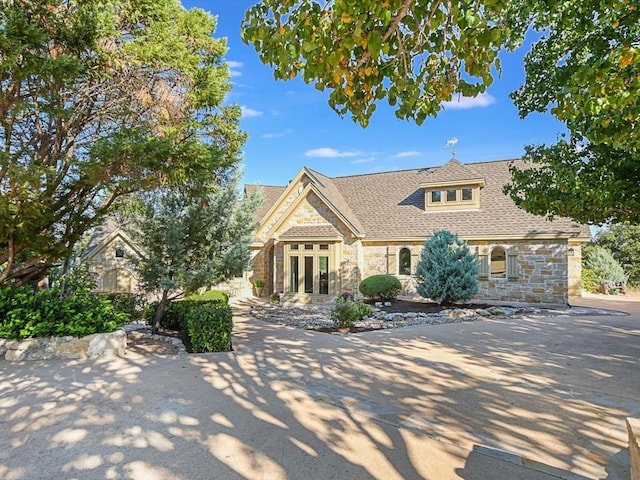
(25, 313)
(209, 328)
(383, 287)
(175, 314)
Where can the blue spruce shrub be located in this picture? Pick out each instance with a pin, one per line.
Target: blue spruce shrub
(447, 271)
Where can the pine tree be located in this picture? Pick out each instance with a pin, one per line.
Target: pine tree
(447, 271)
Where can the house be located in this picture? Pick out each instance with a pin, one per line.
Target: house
(108, 255)
(320, 236)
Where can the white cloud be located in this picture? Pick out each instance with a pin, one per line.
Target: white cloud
(249, 112)
(410, 153)
(461, 102)
(277, 134)
(330, 153)
(363, 160)
(233, 68)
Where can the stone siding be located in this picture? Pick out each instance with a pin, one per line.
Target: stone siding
(542, 275)
(106, 261)
(545, 274)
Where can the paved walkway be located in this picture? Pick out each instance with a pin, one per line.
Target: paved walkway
(532, 398)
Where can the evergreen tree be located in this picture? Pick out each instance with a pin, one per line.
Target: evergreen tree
(447, 271)
(191, 241)
(623, 241)
(605, 267)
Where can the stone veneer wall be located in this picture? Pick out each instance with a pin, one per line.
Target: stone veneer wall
(542, 273)
(106, 260)
(545, 273)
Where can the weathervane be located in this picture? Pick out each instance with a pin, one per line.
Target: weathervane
(451, 145)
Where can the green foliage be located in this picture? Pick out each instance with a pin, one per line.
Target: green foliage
(217, 296)
(604, 266)
(589, 280)
(99, 99)
(383, 287)
(209, 328)
(415, 56)
(623, 240)
(447, 271)
(587, 182)
(133, 304)
(345, 312)
(26, 313)
(584, 67)
(174, 314)
(191, 241)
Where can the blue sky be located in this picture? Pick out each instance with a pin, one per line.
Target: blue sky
(290, 124)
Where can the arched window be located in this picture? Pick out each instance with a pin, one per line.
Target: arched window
(404, 262)
(498, 265)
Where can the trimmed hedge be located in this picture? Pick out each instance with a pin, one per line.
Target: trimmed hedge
(216, 295)
(25, 313)
(383, 287)
(175, 314)
(209, 328)
(130, 303)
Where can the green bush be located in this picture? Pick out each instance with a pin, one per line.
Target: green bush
(175, 314)
(209, 328)
(383, 287)
(346, 312)
(26, 313)
(133, 304)
(217, 295)
(447, 271)
(589, 280)
(604, 266)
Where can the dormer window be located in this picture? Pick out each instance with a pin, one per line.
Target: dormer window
(466, 196)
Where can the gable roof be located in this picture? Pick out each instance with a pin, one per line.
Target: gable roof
(390, 205)
(103, 235)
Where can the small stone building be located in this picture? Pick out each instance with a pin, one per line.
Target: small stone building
(108, 255)
(320, 236)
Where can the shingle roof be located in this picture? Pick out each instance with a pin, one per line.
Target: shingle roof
(100, 234)
(270, 195)
(312, 231)
(390, 205)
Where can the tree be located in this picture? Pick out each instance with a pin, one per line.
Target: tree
(604, 266)
(447, 271)
(623, 241)
(99, 99)
(189, 242)
(584, 67)
(416, 54)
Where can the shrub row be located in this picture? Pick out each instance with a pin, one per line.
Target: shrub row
(208, 323)
(26, 313)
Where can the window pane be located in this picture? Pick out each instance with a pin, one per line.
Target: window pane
(295, 247)
(119, 253)
(452, 195)
(308, 246)
(498, 263)
(324, 246)
(404, 266)
(467, 194)
(323, 272)
(308, 274)
(294, 274)
(436, 196)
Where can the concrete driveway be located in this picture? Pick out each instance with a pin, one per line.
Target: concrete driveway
(533, 398)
